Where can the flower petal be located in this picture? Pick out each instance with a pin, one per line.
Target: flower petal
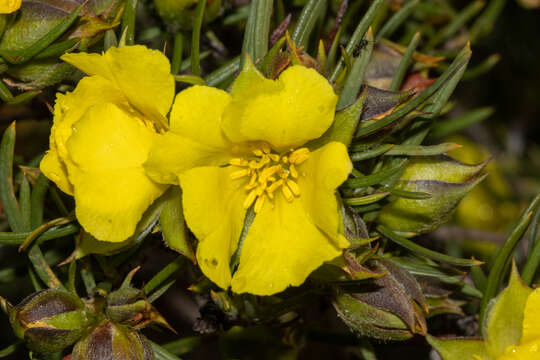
(9, 6)
(109, 204)
(325, 169)
(107, 137)
(143, 75)
(213, 211)
(172, 154)
(197, 114)
(287, 112)
(531, 317)
(111, 189)
(282, 248)
(54, 169)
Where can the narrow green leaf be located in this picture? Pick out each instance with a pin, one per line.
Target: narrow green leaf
(24, 203)
(415, 195)
(262, 22)
(17, 238)
(190, 79)
(128, 21)
(356, 76)
(457, 23)
(109, 40)
(165, 273)
(375, 178)
(43, 269)
(482, 68)
(23, 98)
(450, 126)
(396, 20)
(486, 21)
(177, 53)
(459, 348)
(420, 250)
(9, 350)
(58, 49)
(7, 194)
(37, 200)
(421, 150)
(404, 63)
(503, 256)
(365, 200)
(183, 346)
(5, 94)
(162, 354)
(196, 38)
(533, 258)
(223, 73)
(307, 20)
(358, 34)
(370, 153)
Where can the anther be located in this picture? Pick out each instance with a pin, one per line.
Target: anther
(250, 198)
(258, 152)
(299, 156)
(293, 171)
(239, 174)
(287, 193)
(259, 203)
(238, 162)
(294, 187)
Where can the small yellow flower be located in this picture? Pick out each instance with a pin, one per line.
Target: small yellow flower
(529, 344)
(102, 133)
(511, 331)
(9, 6)
(230, 152)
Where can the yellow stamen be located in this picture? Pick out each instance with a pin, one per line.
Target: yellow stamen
(287, 193)
(250, 198)
(239, 174)
(299, 155)
(238, 162)
(274, 157)
(285, 159)
(252, 182)
(258, 152)
(293, 171)
(294, 187)
(266, 148)
(267, 172)
(259, 203)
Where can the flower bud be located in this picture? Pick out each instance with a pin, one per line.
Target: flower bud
(113, 342)
(50, 320)
(446, 180)
(391, 309)
(179, 14)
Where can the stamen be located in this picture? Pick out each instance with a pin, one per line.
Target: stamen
(293, 171)
(250, 198)
(239, 174)
(259, 203)
(238, 162)
(287, 193)
(267, 173)
(294, 187)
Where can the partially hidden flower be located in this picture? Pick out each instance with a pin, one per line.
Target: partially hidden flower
(231, 152)
(9, 6)
(511, 331)
(102, 133)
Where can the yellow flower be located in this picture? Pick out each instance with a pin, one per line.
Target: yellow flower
(511, 328)
(529, 344)
(102, 133)
(230, 152)
(9, 6)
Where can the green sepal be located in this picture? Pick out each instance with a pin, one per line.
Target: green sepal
(172, 224)
(459, 348)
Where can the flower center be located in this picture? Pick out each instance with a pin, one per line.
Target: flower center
(269, 172)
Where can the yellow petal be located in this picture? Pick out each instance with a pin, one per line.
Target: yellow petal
(172, 154)
(69, 108)
(9, 6)
(528, 351)
(281, 249)
(320, 176)
(531, 319)
(54, 169)
(197, 114)
(110, 203)
(111, 189)
(287, 112)
(143, 75)
(213, 211)
(106, 138)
